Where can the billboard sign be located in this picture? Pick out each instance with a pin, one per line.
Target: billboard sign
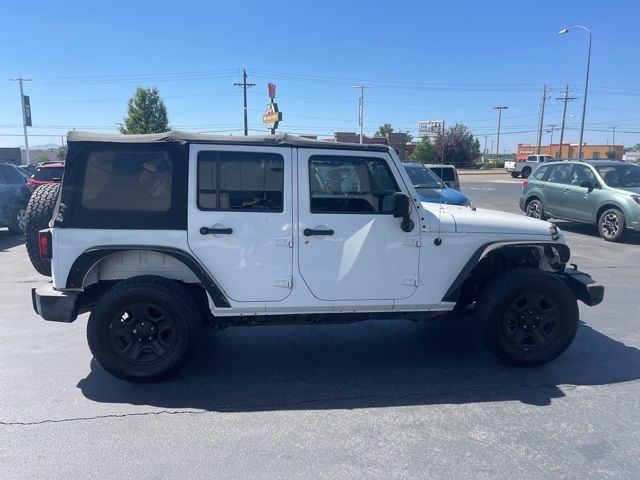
(272, 116)
(432, 128)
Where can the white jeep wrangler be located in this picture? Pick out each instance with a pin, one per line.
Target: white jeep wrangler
(157, 235)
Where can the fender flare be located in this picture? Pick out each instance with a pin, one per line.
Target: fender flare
(89, 258)
(454, 290)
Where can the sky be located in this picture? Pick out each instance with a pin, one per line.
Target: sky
(424, 60)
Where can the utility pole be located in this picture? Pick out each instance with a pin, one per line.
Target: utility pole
(565, 98)
(492, 147)
(24, 116)
(244, 85)
(499, 108)
(361, 108)
(545, 97)
(484, 152)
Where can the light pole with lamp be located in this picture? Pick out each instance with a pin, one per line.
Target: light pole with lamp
(586, 82)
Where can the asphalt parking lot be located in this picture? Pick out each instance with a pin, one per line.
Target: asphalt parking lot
(383, 399)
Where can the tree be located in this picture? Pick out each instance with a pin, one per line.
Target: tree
(425, 152)
(146, 113)
(384, 130)
(636, 147)
(62, 154)
(611, 153)
(458, 145)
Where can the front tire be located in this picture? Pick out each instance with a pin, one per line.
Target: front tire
(144, 329)
(515, 174)
(527, 317)
(611, 225)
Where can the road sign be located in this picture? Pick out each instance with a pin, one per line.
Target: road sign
(432, 128)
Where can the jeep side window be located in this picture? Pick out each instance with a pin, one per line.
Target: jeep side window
(240, 181)
(127, 181)
(350, 185)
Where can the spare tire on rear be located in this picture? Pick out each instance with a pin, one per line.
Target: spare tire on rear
(38, 215)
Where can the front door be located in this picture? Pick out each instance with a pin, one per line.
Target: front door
(350, 246)
(580, 203)
(240, 218)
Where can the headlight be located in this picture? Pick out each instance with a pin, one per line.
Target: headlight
(636, 198)
(555, 231)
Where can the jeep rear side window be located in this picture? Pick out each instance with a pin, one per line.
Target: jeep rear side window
(248, 181)
(122, 180)
(350, 185)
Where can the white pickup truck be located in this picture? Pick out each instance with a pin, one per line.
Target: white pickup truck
(525, 167)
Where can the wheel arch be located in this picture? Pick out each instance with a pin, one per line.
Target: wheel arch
(86, 268)
(495, 257)
(606, 206)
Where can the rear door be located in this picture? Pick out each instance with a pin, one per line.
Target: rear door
(351, 247)
(557, 180)
(240, 218)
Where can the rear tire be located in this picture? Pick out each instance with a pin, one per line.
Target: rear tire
(515, 174)
(144, 329)
(18, 225)
(527, 317)
(535, 209)
(37, 216)
(526, 171)
(612, 225)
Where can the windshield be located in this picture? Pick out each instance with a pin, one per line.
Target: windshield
(620, 176)
(48, 173)
(422, 177)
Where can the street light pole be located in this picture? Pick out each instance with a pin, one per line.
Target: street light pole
(499, 108)
(586, 82)
(613, 127)
(24, 117)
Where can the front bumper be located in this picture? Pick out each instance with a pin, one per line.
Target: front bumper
(54, 305)
(585, 288)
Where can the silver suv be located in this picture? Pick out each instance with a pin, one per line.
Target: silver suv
(604, 193)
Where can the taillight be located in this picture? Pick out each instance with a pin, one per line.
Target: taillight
(525, 182)
(45, 244)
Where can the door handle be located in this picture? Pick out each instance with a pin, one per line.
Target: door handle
(310, 231)
(215, 231)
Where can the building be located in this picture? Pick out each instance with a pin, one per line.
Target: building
(11, 155)
(569, 150)
(398, 141)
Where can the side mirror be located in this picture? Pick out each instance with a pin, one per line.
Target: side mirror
(402, 209)
(588, 185)
(401, 205)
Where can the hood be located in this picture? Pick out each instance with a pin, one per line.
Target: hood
(480, 220)
(442, 195)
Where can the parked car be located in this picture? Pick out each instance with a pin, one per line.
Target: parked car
(605, 193)
(447, 173)
(48, 172)
(14, 196)
(431, 189)
(525, 167)
(161, 234)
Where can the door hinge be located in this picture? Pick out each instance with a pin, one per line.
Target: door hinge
(413, 241)
(282, 282)
(284, 242)
(410, 281)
